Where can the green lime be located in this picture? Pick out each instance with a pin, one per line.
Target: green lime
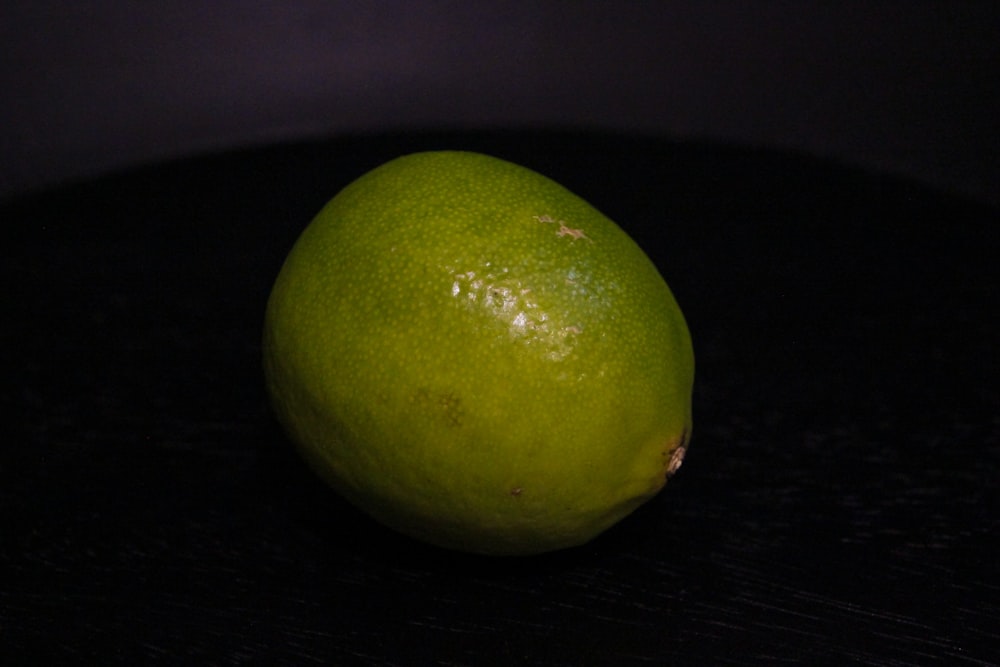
(476, 357)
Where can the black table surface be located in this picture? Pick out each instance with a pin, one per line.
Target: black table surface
(838, 503)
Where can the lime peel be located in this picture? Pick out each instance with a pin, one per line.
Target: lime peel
(477, 357)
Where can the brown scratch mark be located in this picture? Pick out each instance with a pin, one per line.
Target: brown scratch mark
(573, 233)
(564, 229)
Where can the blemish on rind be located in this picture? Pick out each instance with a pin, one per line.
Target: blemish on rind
(564, 229)
(444, 405)
(572, 233)
(516, 491)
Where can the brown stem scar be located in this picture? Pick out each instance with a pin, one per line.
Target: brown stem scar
(676, 459)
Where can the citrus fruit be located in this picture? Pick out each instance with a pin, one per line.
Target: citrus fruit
(478, 358)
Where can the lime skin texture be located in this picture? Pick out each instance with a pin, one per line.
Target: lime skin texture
(478, 358)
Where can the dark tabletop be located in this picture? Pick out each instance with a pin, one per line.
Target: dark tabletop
(838, 502)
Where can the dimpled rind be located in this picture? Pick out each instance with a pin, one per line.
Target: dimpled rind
(478, 358)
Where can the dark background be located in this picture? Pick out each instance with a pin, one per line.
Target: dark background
(909, 87)
(818, 187)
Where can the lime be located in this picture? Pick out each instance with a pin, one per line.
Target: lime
(476, 357)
